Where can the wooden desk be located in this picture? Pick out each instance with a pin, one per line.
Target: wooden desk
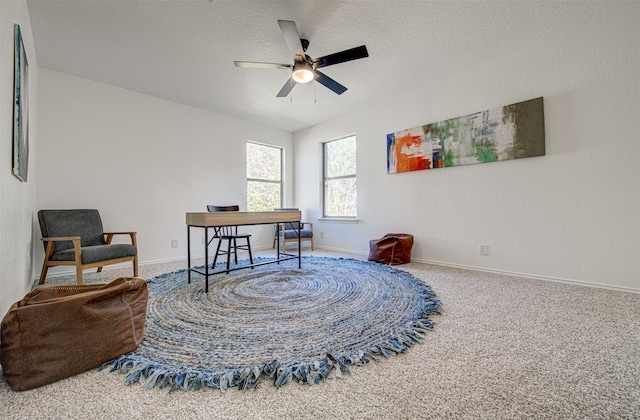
(208, 220)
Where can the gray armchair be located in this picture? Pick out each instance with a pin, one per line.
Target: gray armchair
(76, 238)
(289, 232)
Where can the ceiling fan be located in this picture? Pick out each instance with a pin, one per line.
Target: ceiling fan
(304, 68)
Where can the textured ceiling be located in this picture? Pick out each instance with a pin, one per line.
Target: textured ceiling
(183, 51)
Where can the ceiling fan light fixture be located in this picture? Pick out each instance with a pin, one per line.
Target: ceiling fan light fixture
(303, 72)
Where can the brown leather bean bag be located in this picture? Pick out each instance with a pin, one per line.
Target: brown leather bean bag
(392, 248)
(60, 331)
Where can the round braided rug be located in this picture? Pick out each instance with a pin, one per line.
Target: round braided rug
(276, 322)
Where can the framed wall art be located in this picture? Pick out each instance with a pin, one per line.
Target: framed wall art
(509, 132)
(20, 108)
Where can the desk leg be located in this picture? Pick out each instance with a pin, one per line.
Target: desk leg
(299, 245)
(206, 260)
(278, 241)
(188, 254)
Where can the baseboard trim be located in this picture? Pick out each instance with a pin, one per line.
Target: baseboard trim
(346, 251)
(506, 272)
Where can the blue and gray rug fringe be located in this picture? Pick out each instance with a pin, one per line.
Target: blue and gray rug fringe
(150, 374)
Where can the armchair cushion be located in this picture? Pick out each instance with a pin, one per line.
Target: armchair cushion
(92, 254)
(292, 225)
(291, 229)
(85, 223)
(304, 233)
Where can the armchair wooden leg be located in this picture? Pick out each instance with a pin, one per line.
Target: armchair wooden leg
(135, 265)
(79, 274)
(48, 253)
(43, 273)
(77, 247)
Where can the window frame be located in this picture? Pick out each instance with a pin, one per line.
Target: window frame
(325, 178)
(267, 181)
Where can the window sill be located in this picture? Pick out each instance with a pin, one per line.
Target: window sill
(352, 220)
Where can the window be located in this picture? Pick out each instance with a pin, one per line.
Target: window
(340, 178)
(264, 177)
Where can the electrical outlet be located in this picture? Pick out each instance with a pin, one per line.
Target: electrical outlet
(321, 235)
(174, 243)
(484, 249)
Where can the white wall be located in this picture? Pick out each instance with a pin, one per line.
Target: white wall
(17, 199)
(142, 161)
(572, 215)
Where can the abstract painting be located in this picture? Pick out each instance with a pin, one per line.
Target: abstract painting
(509, 132)
(20, 108)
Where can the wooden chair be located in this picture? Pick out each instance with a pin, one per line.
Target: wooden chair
(289, 232)
(231, 235)
(76, 238)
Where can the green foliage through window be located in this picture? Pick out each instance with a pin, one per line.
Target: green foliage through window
(340, 178)
(264, 177)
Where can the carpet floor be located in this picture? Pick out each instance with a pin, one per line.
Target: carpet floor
(504, 347)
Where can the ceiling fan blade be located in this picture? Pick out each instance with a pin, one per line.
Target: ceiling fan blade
(341, 57)
(286, 88)
(291, 36)
(330, 83)
(258, 65)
